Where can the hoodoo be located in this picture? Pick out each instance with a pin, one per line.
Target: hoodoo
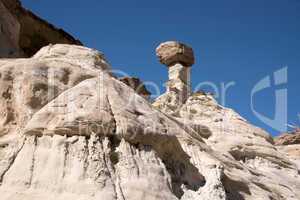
(178, 58)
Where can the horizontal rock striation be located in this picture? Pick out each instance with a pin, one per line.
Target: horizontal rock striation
(288, 138)
(289, 143)
(96, 138)
(27, 85)
(69, 129)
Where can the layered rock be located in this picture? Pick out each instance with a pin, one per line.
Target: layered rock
(178, 58)
(173, 52)
(227, 133)
(99, 139)
(137, 85)
(26, 85)
(289, 143)
(288, 138)
(69, 129)
(22, 33)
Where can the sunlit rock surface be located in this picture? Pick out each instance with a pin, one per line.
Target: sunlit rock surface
(70, 129)
(96, 138)
(289, 143)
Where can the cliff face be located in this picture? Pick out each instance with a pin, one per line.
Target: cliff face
(96, 138)
(22, 33)
(69, 129)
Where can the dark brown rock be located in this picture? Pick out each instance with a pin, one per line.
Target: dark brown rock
(136, 84)
(289, 138)
(22, 33)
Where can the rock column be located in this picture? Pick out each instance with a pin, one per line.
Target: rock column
(178, 58)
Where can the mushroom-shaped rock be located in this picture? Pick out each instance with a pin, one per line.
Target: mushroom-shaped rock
(170, 53)
(178, 57)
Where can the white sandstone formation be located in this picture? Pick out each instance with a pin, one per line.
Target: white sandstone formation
(178, 58)
(96, 138)
(26, 85)
(289, 143)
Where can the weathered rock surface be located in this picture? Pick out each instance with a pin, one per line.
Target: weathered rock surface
(137, 85)
(288, 138)
(292, 152)
(26, 85)
(96, 138)
(227, 133)
(178, 58)
(173, 52)
(289, 143)
(22, 33)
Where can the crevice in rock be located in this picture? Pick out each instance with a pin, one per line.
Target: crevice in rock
(66, 76)
(38, 91)
(240, 155)
(114, 130)
(122, 197)
(234, 189)
(86, 157)
(32, 161)
(178, 165)
(7, 94)
(3, 146)
(262, 186)
(114, 155)
(82, 78)
(183, 175)
(12, 160)
(66, 153)
(113, 139)
(108, 165)
(243, 155)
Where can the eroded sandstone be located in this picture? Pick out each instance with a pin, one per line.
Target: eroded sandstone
(98, 138)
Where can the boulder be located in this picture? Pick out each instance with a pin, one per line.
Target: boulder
(173, 52)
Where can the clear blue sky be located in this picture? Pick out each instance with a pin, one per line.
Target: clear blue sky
(233, 40)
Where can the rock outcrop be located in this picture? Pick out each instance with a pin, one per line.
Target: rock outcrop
(289, 143)
(137, 85)
(288, 138)
(70, 129)
(178, 58)
(227, 133)
(22, 33)
(27, 85)
(96, 138)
